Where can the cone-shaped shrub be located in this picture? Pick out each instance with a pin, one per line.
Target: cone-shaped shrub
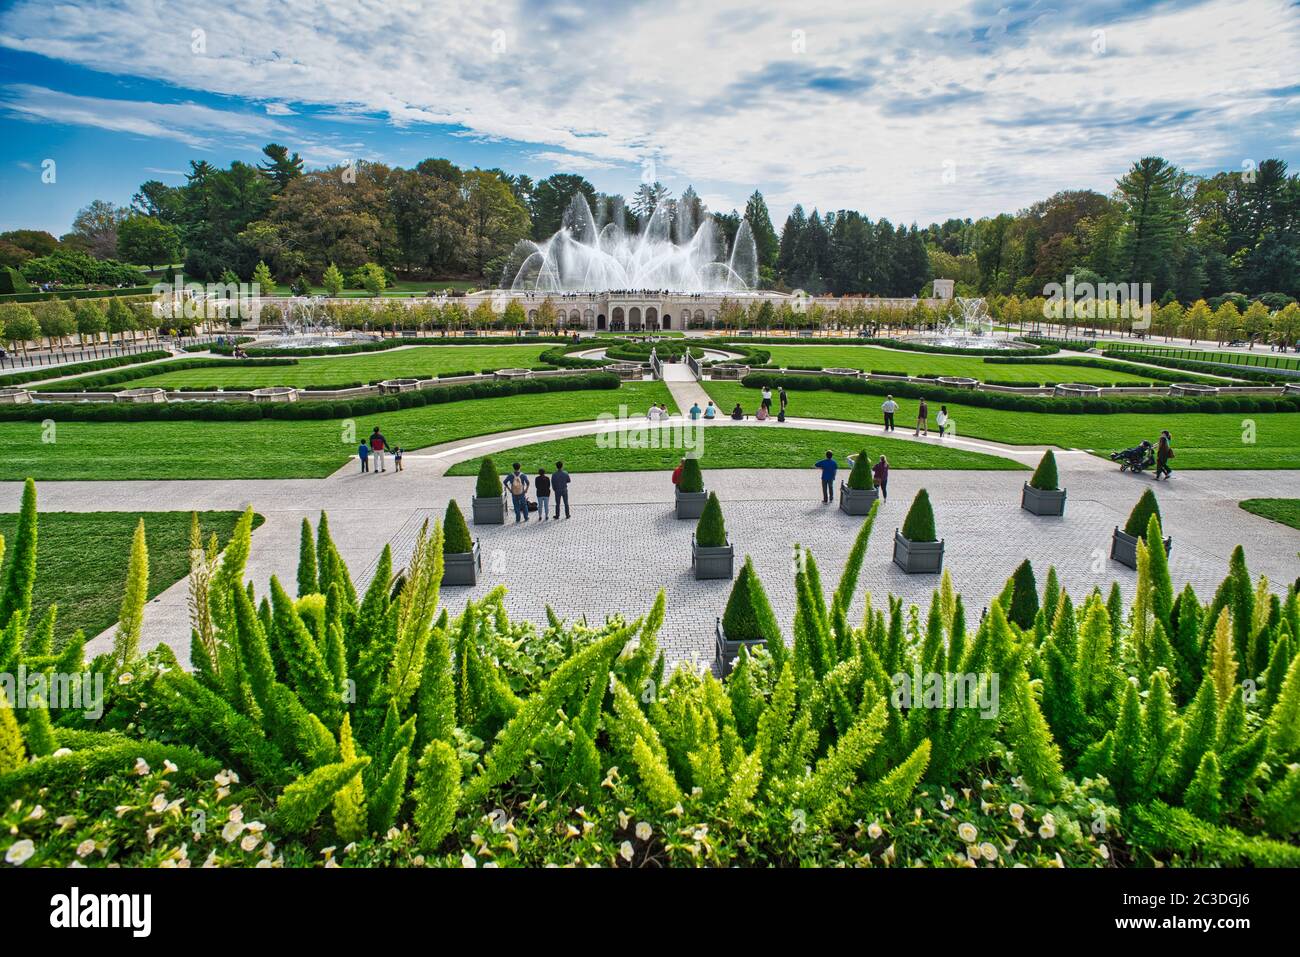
(126, 643)
(919, 524)
(22, 566)
(308, 580)
(456, 538)
(1045, 477)
(691, 479)
(749, 614)
(489, 482)
(1140, 517)
(860, 478)
(710, 532)
(1024, 596)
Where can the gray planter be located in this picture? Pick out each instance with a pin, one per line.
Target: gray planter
(1124, 547)
(709, 562)
(462, 568)
(1043, 501)
(690, 504)
(490, 510)
(727, 651)
(917, 558)
(856, 501)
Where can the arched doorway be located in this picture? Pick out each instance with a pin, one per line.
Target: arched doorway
(668, 320)
(600, 321)
(634, 317)
(651, 317)
(616, 320)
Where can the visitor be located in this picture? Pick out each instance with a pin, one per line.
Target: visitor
(767, 398)
(397, 458)
(377, 444)
(663, 411)
(761, 414)
(653, 413)
(677, 472)
(363, 453)
(695, 411)
(889, 407)
(922, 418)
(880, 475)
(560, 485)
(542, 486)
(709, 411)
(1164, 452)
(829, 467)
(516, 483)
(783, 399)
(941, 420)
(737, 413)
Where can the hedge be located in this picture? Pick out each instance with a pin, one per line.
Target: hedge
(1107, 364)
(1037, 350)
(339, 409)
(77, 368)
(1012, 402)
(385, 344)
(96, 382)
(131, 291)
(1237, 372)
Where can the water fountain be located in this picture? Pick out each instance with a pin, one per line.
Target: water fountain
(972, 329)
(304, 324)
(584, 256)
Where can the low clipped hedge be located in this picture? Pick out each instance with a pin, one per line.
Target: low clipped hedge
(96, 383)
(1226, 369)
(1107, 364)
(383, 345)
(128, 293)
(1036, 350)
(77, 368)
(340, 409)
(1028, 403)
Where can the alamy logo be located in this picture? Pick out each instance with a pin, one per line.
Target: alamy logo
(1103, 300)
(74, 910)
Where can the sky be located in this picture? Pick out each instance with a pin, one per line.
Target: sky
(915, 111)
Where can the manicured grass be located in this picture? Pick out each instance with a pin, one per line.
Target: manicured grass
(412, 362)
(1201, 440)
(740, 447)
(402, 288)
(81, 559)
(1285, 511)
(877, 358)
(277, 448)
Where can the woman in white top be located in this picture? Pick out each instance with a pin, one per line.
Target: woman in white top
(941, 420)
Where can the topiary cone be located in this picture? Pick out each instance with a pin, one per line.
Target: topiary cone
(1140, 517)
(691, 479)
(861, 479)
(456, 538)
(1045, 478)
(749, 615)
(919, 524)
(710, 531)
(489, 482)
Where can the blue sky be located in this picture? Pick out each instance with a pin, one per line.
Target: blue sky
(915, 111)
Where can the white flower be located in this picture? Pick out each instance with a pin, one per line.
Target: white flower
(36, 813)
(141, 766)
(61, 752)
(623, 819)
(159, 802)
(250, 842)
(125, 678)
(988, 851)
(20, 852)
(232, 830)
(887, 855)
(168, 766)
(1017, 811)
(1104, 851)
(643, 831)
(874, 830)
(625, 851)
(467, 860)
(1047, 830)
(967, 832)
(66, 821)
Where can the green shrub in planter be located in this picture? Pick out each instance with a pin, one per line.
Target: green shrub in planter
(1140, 517)
(489, 482)
(749, 615)
(1045, 477)
(456, 538)
(711, 532)
(861, 479)
(919, 524)
(691, 479)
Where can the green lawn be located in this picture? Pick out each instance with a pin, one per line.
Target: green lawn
(1201, 440)
(401, 288)
(412, 362)
(876, 358)
(761, 447)
(275, 448)
(1285, 511)
(81, 559)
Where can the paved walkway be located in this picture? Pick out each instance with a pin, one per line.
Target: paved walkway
(623, 543)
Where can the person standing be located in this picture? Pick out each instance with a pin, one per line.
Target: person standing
(941, 420)
(560, 485)
(783, 398)
(889, 407)
(922, 418)
(829, 467)
(542, 486)
(767, 398)
(397, 458)
(516, 483)
(363, 453)
(377, 445)
(880, 475)
(1164, 452)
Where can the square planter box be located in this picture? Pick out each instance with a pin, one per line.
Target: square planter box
(917, 558)
(856, 501)
(1043, 501)
(1124, 548)
(462, 568)
(728, 651)
(489, 511)
(690, 504)
(717, 562)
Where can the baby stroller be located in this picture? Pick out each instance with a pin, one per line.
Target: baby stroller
(1137, 459)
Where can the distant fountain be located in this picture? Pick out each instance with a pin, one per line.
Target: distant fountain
(304, 324)
(972, 328)
(586, 257)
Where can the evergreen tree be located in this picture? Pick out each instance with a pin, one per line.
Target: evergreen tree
(748, 616)
(456, 536)
(918, 526)
(1045, 476)
(1203, 794)
(1024, 596)
(17, 596)
(710, 531)
(126, 642)
(308, 582)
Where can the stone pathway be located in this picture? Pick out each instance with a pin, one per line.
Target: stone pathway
(623, 543)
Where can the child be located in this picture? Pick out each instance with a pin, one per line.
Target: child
(363, 453)
(397, 458)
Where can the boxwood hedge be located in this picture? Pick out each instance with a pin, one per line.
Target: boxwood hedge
(77, 368)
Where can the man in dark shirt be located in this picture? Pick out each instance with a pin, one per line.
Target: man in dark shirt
(560, 486)
(829, 467)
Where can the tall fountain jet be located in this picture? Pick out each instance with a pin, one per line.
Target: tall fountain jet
(585, 257)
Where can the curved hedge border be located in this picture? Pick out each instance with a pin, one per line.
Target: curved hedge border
(94, 383)
(341, 409)
(1237, 372)
(1037, 350)
(1108, 365)
(385, 344)
(1011, 402)
(77, 368)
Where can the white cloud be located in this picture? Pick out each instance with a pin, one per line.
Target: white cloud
(279, 109)
(832, 103)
